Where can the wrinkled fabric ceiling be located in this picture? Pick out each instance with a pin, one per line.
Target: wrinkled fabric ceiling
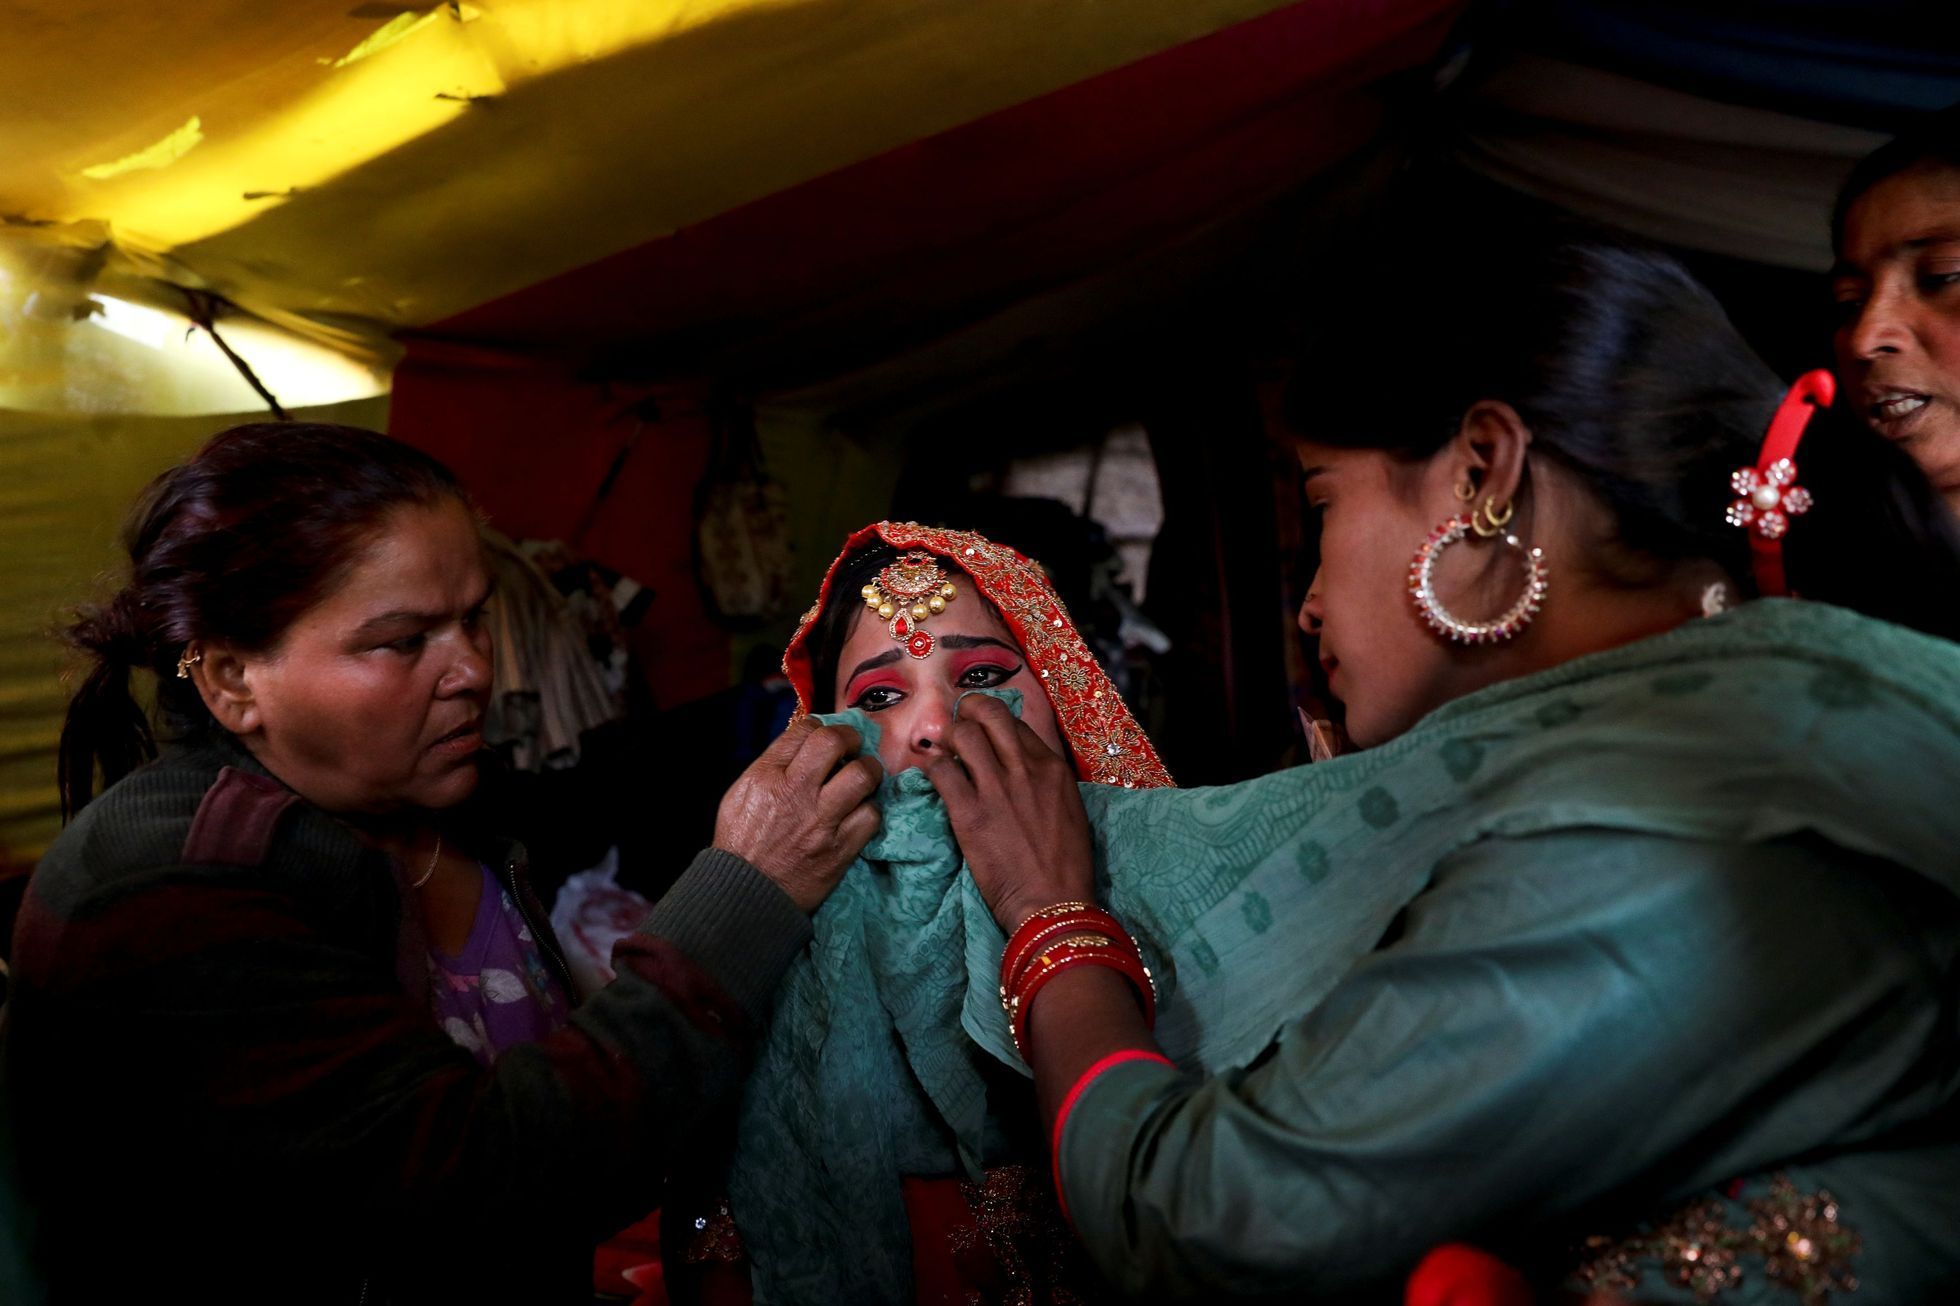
(349, 170)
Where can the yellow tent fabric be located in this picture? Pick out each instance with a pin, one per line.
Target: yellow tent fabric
(66, 481)
(341, 170)
(345, 170)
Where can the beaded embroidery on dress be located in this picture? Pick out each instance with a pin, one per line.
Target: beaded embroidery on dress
(1714, 1247)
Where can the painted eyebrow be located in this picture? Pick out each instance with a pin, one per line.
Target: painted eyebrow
(884, 659)
(404, 617)
(977, 641)
(956, 642)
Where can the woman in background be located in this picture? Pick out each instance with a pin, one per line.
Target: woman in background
(1896, 234)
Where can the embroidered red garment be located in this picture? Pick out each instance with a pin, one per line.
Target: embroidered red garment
(1109, 746)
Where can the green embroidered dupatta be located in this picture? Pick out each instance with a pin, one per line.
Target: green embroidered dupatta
(886, 1053)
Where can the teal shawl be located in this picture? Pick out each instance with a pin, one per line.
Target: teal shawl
(887, 1052)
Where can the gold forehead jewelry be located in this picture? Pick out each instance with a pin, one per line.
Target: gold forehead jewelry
(905, 594)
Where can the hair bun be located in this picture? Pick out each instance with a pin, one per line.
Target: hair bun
(113, 631)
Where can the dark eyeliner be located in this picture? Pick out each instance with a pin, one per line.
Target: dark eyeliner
(1004, 673)
(860, 701)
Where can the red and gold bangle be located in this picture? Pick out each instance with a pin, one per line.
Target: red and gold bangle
(1025, 947)
(1015, 959)
(1123, 958)
(1059, 936)
(1023, 1000)
(1052, 909)
(1036, 921)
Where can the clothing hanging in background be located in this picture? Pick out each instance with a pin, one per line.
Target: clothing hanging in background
(549, 687)
(741, 538)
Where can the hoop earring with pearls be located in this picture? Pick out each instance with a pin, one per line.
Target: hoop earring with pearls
(1488, 523)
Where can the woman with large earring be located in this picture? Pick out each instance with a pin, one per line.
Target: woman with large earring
(1666, 1005)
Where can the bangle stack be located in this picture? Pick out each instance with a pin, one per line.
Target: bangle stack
(1060, 937)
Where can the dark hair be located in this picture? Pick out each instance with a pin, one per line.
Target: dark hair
(1931, 142)
(233, 545)
(1629, 374)
(828, 637)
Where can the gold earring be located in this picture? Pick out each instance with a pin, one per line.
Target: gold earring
(186, 660)
(1486, 521)
(1464, 491)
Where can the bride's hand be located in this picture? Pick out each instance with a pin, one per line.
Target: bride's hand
(1016, 812)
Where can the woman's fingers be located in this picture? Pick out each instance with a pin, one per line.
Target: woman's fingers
(792, 819)
(1003, 730)
(855, 830)
(854, 782)
(1019, 821)
(973, 748)
(821, 752)
(955, 787)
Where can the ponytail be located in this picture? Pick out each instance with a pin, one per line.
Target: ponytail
(105, 726)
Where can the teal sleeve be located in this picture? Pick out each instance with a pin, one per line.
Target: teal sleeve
(1561, 1019)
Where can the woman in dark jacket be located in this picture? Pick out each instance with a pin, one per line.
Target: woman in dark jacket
(248, 972)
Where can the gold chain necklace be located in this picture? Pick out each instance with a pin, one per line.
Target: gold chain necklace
(434, 857)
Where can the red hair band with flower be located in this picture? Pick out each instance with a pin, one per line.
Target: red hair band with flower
(1768, 493)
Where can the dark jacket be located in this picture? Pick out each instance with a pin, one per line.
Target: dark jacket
(223, 1083)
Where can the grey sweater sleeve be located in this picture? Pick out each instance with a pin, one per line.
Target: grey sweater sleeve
(732, 921)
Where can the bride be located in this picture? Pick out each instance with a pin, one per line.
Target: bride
(883, 1154)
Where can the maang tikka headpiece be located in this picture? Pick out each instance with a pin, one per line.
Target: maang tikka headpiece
(905, 594)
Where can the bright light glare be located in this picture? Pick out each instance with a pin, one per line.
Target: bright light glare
(146, 326)
(300, 373)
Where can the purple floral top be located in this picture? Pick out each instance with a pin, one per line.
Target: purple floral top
(495, 993)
